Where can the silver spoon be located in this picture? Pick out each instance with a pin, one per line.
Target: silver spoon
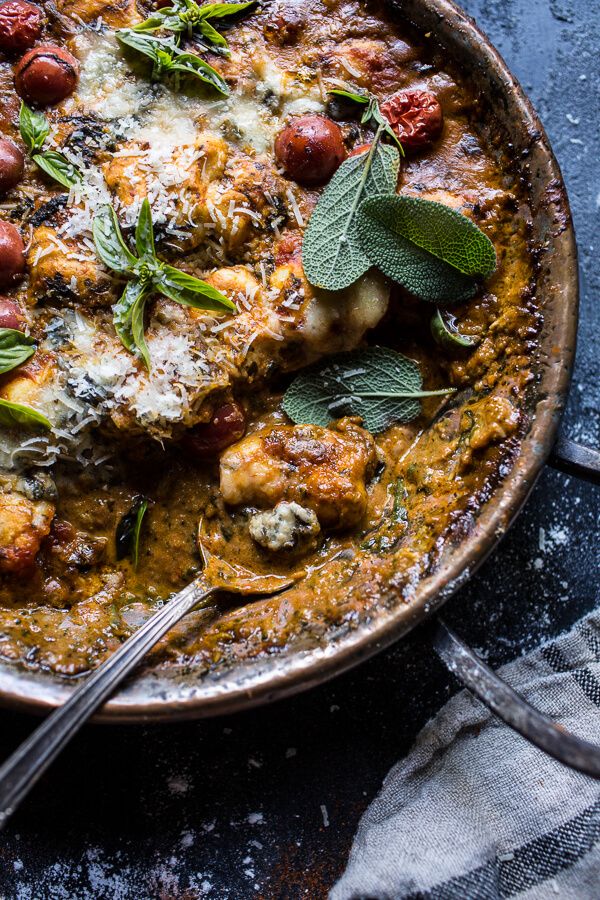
(27, 764)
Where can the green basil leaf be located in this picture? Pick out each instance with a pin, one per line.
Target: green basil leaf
(363, 99)
(332, 255)
(190, 64)
(211, 35)
(433, 251)
(190, 291)
(167, 58)
(15, 349)
(137, 328)
(110, 246)
(15, 415)
(58, 167)
(33, 127)
(154, 23)
(446, 334)
(127, 537)
(144, 231)
(139, 518)
(226, 10)
(377, 384)
(123, 310)
(146, 44)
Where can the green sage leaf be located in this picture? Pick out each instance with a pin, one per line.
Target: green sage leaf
(433, 251)
(58, 167)
(380, 385)
(110, 246)
(446, 334)
(15, 349)
(190, 291)
(33, 127)
(15, 415)
(332, 255)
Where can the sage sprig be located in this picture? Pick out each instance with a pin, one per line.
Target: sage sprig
(169, 61)
(15, 349)
(331, 253)
(34, 130)
(378, 384)
(147, 276)
(185, 17)
(371, 112)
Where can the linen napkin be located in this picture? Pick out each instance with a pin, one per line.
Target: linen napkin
(475, 811)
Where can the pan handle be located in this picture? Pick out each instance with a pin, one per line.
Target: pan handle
(575, 459)
(509, 706)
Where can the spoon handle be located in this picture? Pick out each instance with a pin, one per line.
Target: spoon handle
(29, 761)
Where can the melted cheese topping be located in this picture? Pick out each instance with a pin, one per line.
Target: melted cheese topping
(167, 146)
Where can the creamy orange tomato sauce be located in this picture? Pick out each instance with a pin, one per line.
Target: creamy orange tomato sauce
(225, 212)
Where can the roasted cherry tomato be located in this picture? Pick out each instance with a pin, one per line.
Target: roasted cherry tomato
(12, 254)
(12, 165)
(20, 25)
(310, 149)
(416, 117)
(45, 75)
(227, 426)
(11, 315)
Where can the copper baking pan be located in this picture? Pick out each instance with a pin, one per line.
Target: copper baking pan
(158, 696)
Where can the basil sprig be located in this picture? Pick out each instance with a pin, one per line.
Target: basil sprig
(378, 384)
(185, 17)
(146, 275)
(168, 60)
(34, 130)
(15, 349)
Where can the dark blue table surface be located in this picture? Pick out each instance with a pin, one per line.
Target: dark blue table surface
(265, 804)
